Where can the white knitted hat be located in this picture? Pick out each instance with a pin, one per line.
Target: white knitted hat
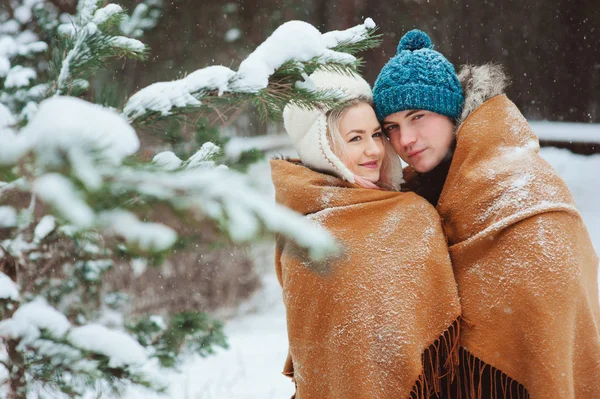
(308, 128)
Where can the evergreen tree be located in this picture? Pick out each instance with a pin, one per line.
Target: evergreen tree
(91, 200)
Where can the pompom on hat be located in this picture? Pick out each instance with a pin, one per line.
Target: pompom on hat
(308, 127)
(418, 77)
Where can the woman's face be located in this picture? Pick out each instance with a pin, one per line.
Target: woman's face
(421, 138)
(363, 139)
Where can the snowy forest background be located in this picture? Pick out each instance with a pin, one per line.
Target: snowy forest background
(173, 295)
(548, 47)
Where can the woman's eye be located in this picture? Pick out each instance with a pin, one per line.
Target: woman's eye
(355, 138)
(378, 134)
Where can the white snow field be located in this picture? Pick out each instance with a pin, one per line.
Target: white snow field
(251, 368)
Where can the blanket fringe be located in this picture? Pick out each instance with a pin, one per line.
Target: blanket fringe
(452, 372)
(479, 380)
(440, 364)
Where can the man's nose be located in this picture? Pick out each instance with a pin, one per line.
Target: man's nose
(408, 138)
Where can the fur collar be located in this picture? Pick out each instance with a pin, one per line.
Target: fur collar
(480, 83)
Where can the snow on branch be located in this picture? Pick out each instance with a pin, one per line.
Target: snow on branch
(34, 318)
(67, 125)
(6, 117)
(121, 349)
(86, 10)
(24, 44)
(145, 16)
(45, 226)
(162, 96)
(93, 141)
(19, 76)
(203, 157)
(94, 41)
(349, 36)
(8, 289)
(148, 237)
(254, 72)
(167, 160)
(8, 214)
(59, 192)
(310, 46)
(225, 195)
(104, 14)
(31, 318)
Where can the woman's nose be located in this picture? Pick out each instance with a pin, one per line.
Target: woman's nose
(372, 148)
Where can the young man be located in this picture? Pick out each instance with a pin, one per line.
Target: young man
(523, 261)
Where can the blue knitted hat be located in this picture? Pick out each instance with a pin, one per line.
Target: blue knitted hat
(418, 77)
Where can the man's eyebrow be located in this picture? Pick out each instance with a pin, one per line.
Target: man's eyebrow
(412, 112)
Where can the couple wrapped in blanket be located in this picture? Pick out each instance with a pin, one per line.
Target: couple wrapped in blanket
(470, 274)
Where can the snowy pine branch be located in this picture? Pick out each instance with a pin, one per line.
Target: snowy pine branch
(88, 200)
(356, 39)
(91, 352)
(267, 77)
(196, 331)
(93, 180)
(224, 196)
(36, 35)
(21, 50)
(144, 17)
(93, 42)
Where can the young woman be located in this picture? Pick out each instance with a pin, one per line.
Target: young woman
(377, 320)
(523, 260)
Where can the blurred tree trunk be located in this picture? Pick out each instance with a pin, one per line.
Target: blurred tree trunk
(321, 14)
(339, 14)
(68, 6)
(577, 38)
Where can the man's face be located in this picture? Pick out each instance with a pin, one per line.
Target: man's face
(421, 138)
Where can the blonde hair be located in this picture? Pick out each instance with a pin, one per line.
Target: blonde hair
(338, 145)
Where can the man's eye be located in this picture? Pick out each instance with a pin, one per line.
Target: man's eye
(417, 117)
(389, 128)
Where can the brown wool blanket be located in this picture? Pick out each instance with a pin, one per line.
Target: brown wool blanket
(523, 261)
(378, 320)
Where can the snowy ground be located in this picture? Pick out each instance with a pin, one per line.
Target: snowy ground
(251, 368)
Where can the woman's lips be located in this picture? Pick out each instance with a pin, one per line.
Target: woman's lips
(370, 165)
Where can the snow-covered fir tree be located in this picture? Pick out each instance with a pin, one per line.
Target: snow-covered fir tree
(75, 197)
